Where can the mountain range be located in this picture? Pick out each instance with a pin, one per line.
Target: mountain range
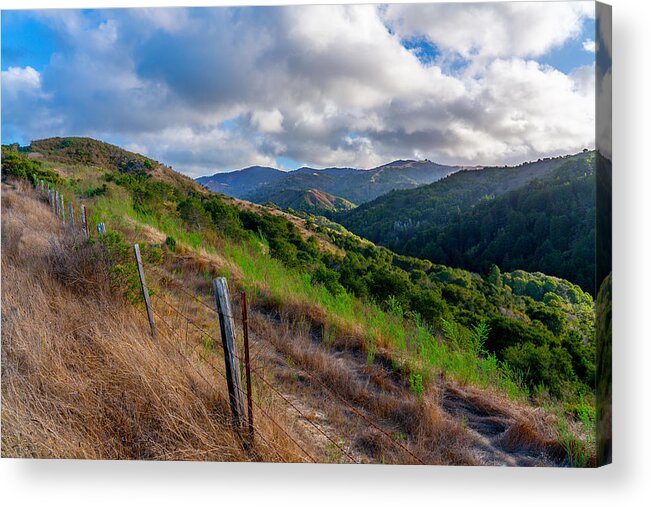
(537, 216)
(357, 186)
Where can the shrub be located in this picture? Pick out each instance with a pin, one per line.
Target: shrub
(18, 165)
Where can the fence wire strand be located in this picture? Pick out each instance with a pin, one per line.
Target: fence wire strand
(160, 318)
(203, 332)
(244, 393)
(269, 385)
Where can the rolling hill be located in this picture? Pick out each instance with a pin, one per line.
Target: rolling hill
(241, 183)
(537, 216)
(309, 201)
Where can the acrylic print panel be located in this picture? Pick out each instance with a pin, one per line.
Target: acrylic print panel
(333, 234)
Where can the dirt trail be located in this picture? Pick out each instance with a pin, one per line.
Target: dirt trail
(468, 430)
(490, 430)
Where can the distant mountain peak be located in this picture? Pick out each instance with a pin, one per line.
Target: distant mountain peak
(264, 184)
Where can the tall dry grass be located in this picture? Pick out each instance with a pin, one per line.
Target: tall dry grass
(81, 376)
(288, 342)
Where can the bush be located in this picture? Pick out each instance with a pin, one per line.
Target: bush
(18, 165)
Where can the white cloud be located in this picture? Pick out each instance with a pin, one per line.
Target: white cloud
(495, 29)
(589, 45)
(604, 81)
(196, 151)
(328, 85)
(605, 110)
(25, 108)
(270, 122)
(20, 79)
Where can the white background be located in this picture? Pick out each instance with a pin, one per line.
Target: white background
(626, 482)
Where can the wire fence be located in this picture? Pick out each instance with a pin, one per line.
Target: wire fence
(57, 204)
(261, 378)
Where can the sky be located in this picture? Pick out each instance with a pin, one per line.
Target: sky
(215, 89)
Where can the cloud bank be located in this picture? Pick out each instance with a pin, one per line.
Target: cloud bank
(222, 88)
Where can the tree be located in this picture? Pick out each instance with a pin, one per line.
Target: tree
(495, 277)
(193, 213)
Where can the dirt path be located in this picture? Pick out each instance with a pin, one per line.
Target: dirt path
(490, 430)
(451, 425)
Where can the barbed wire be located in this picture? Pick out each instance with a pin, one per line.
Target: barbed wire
(59, 211)
(361, 415)
(273, 388)
(270, 386)
(206, 380)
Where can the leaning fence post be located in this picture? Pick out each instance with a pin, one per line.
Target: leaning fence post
(145, 291)
(227, 329)
(247, 367)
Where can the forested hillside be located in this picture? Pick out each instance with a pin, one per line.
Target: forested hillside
(536, 217)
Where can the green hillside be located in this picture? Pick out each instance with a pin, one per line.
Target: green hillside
(528, 335)
(242, 182)
(537, 217)
(554, 319)
(86, 151)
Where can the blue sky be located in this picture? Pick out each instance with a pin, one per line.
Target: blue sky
(26, 41)
(572, 54)
(220, 88)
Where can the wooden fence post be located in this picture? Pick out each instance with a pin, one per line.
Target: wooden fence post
(145, 291)
(62, 209)
(71, 217)
(227, 329)
(56, 203)
(84, 223)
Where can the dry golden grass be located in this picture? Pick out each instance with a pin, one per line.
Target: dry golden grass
(81, 376)
(287, 343)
